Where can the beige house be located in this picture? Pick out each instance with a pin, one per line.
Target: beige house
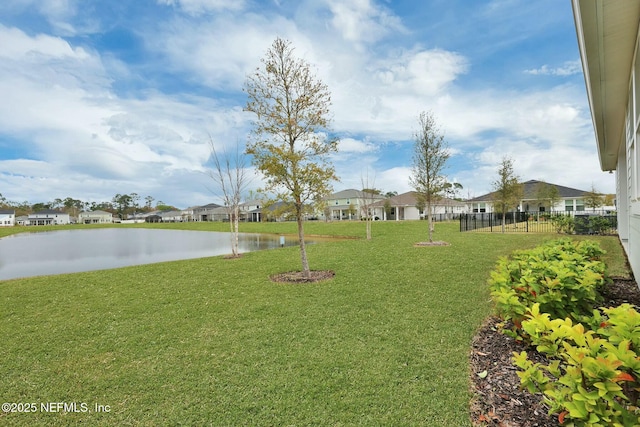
(95, 217)
(349, 204)
(406, 207)
(608, 40)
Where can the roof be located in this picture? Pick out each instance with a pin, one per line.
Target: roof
(209, 206)
(530, 189)
(98, 212)
(170, 213)
(7, 212)
(410, 199)
(606, 33)
(352, 194)
(49, 212)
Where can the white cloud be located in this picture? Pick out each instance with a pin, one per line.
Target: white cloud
(222, 51)
(197, 7)
(78, 132)
(569, 68)
(350, 145)
(16, 44)
(362, 20)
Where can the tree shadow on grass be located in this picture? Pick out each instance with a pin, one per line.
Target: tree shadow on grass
(298, 276)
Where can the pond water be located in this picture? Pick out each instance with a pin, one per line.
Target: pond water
(71, 251)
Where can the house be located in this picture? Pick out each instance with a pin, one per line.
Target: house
(206, 212)
(22, 220)
(407, 207)
(608, 40)
(171, 216)
(7, 217)
(187, 214)
(48, 217)
(95, 217)
(250, 210)
(568, 199)
(153, 218)
(348, 204)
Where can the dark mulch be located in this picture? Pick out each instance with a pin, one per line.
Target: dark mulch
(298, 276)
(497, 398)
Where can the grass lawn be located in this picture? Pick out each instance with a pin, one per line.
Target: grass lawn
(213, 342)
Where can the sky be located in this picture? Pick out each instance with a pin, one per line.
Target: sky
(99, 98)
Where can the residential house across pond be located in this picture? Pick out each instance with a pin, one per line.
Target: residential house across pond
(7, 217)
(48, 217)
(95, 217)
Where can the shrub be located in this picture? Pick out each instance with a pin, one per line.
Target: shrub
(562, 276)
(563, 223)
(592, 375)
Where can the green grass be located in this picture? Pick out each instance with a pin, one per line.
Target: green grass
(213, 342)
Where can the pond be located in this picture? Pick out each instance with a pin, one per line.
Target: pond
(71, 251)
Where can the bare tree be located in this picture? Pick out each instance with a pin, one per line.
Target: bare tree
(368, 198)
(229, 174)
(291, 144)
(430, 156)
(507, 189)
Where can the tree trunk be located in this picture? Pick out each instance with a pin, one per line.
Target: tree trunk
(303, 249)
(429, 221)
(234, 232)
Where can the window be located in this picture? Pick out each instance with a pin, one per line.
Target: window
(580, 205)
(568, 205)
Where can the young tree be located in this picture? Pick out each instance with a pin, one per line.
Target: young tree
(291, 146)
(451, 189)
(547, 194)
(368, 199)
(229, 174)
(593, 199)
(507, 189)
(430, 156)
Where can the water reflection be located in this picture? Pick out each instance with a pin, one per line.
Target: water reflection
(70, 251)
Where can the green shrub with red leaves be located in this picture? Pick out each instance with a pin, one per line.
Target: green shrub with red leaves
(591, 378)
(563, 276)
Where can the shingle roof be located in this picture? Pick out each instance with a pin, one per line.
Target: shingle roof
(98, 212)
(530, 189)
(49, 212)
(352, 194)
(410, 198)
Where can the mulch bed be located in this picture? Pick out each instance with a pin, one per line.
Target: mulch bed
(298, 276)
(497, 398)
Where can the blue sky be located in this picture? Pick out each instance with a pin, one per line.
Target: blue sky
(107, 97)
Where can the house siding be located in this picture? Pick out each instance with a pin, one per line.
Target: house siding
(611, 68)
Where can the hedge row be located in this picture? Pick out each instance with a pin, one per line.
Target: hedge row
(546, 297)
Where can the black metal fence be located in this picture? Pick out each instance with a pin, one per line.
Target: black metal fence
(574, 222)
